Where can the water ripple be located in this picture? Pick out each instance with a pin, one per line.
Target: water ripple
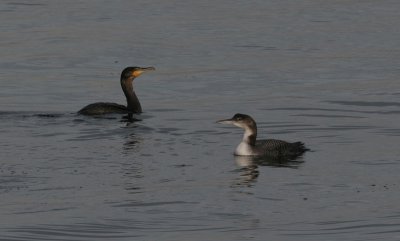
(147, 204)
(395, 112)
(366, 103)
(68, 232)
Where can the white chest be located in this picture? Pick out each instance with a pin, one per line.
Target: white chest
(244, 149)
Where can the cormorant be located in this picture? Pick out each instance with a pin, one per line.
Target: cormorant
(133, 105)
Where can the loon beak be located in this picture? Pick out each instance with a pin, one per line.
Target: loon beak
(140, 71)
(226, 121)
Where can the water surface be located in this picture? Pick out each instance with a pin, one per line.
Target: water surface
(325, 74)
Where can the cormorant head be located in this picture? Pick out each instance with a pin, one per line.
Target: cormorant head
(240, 120)
(133, 72)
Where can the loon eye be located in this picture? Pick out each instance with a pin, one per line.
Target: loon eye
(239, 118)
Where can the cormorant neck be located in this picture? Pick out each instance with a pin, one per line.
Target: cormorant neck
(133, 104)
(250, 134)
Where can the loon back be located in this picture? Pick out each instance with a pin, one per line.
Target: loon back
(274, 147)
(101, 108)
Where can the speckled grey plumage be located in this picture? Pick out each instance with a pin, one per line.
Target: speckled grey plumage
(273, 147)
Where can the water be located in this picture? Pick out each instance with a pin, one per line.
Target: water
(323, 73)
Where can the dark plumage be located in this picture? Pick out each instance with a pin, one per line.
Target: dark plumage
(101, 108)
(274, 147)
(133, 105)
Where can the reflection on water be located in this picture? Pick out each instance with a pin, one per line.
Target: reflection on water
(249, 166)
(132, 141)
(247, 161)
(247, 176)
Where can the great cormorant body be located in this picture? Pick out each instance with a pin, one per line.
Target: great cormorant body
(133, 105)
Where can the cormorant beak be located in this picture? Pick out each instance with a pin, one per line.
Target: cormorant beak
(226, 121)
(140, 71)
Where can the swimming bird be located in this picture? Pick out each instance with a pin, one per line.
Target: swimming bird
(133, 104)
(270, 147)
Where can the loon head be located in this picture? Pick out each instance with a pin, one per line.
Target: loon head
(241, 120)
(130, 73)
(250, 131)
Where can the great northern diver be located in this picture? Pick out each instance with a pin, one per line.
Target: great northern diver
(270, 147)
(133, 104)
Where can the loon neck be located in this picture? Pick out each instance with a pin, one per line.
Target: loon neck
(133, 104)
(250, 135)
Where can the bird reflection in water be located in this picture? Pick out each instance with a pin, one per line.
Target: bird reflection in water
(128, 119)
(131, 143)
(248, 171)
(249, 167)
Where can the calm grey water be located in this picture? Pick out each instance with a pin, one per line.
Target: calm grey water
(323, 72)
